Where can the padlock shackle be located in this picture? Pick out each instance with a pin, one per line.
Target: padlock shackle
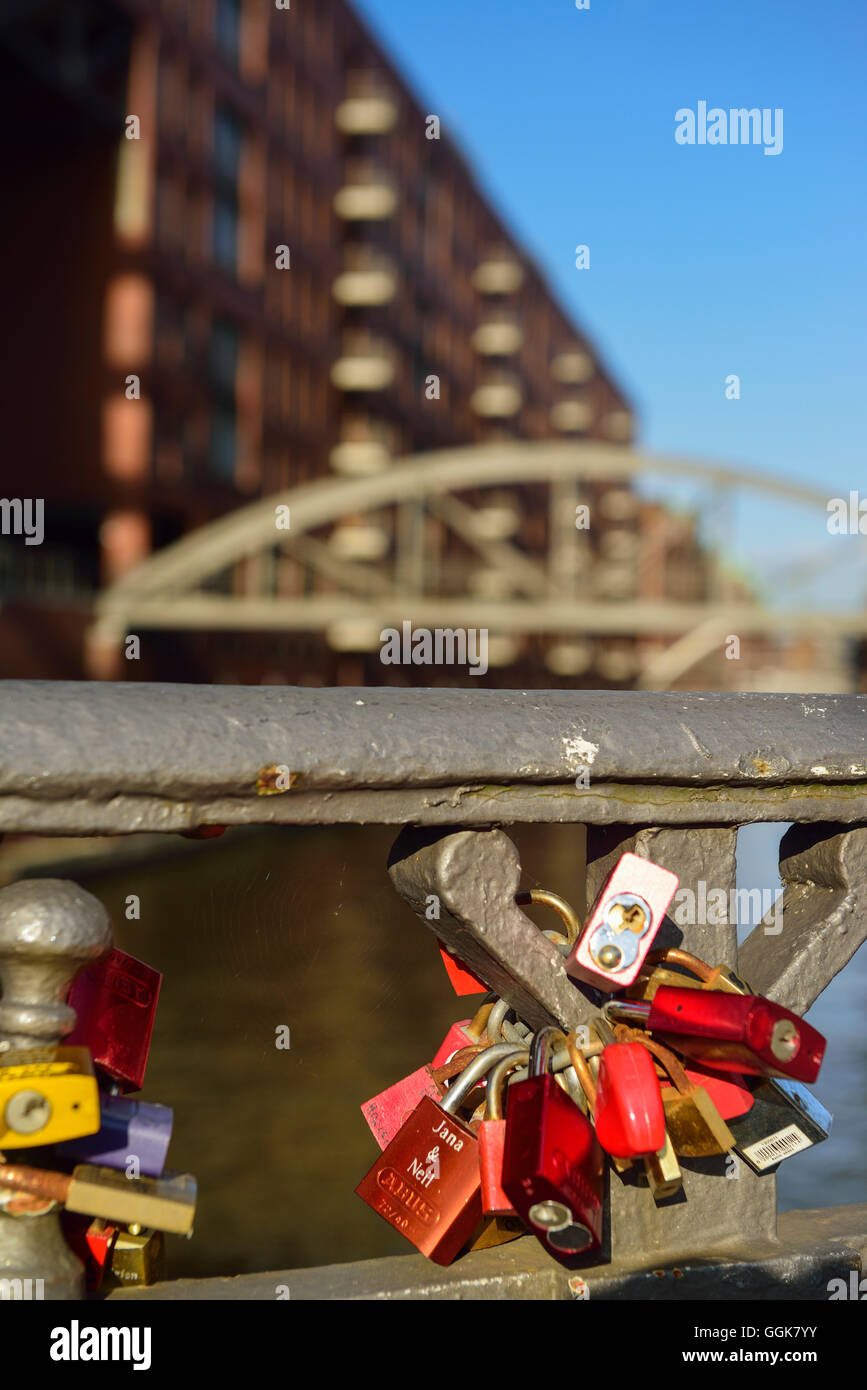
(479, 1021)
(496, 1083)
(665, 1055)
(471, 1074)
(582, 1070)
(542, 1048)
(567, 914)
(675, 956)
(627, 1010)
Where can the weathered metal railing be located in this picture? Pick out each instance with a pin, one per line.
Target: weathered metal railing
(669, 776)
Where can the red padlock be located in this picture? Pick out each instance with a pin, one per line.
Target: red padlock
(629, 1115)
(386, 1112)
(92, 1240)
(622, 924)
(466, 1033)
(492, 1137)
(116, 1001)
(462, 979)
(730, 1032)
(427, 1184)
(730, 1094)
(553, 1166)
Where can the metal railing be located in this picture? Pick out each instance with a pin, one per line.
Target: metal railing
(669, 776)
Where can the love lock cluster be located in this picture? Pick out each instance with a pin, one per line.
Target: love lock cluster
(104, 1153)
(506, 1130)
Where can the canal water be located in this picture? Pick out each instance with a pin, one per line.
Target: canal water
(299, 928)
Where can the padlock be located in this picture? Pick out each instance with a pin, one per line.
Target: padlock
(129, 1129)
(629, 1114)
(553, 1167)
(461, 978)
(662, 1172)
(138, 1257)
(692, 1121)
(730, 1093)
(386, 1112)
(465, 1033)
(464, 981)
(586, 1067)
(499, 1029)
(167, 1203)
(785, 1119)
(492, 1138)
(495, 1230)
(92, 1241)
(622, 924)
(47, 1095)
(116, 1001)
(566, 913)
(729, 1032)
(654, 974)
(427, 1184)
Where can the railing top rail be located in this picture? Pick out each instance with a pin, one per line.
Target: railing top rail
(93, 757)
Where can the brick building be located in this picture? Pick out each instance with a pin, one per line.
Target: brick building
(237, 260)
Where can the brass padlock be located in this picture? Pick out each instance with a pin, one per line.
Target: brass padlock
(692, 1121)
(139, 1256)
(47, 1095)
(167, 1203)
(662, 1172)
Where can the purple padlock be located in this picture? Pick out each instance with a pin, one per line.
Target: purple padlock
(129, 1129)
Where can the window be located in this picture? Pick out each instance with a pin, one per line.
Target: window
(228, 137)
(228, 28)
(225, 232)
(227, 145)
(222, 366)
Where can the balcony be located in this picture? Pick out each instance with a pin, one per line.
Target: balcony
(572, 368)
(368, 108)
(366, 364)
(497, 399)
(367, 195)
(360, 541)
(498, 337)
(498, 273)
(618, 504)
(365, 448)
(571, 417)
(617, 426)
(367, 280)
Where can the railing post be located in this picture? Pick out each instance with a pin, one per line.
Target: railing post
(710, 1210)
(49, 930)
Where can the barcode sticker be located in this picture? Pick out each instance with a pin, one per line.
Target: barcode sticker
(783, 1144)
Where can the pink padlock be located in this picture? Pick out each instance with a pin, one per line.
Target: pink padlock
(622, 924)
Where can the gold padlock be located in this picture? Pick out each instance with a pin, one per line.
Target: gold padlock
(138, 1256)
(662, 1172)
(47, 1095)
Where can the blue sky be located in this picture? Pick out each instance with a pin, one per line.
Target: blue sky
(704, 260)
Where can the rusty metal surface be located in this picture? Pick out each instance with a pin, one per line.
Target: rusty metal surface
(824, 872)
(91, 757)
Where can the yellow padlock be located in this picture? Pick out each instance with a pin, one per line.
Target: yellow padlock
(47, 1095)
